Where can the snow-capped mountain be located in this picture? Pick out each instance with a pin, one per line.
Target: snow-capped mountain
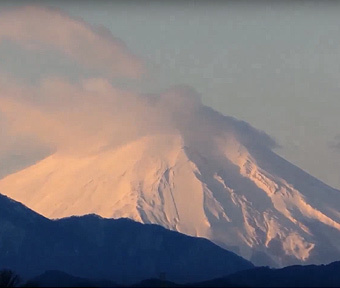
(217, 178)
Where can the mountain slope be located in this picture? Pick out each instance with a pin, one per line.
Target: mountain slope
(119, 250)
(217, 179)
(54, 278)
(291, 276)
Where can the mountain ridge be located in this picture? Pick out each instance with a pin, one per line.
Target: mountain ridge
(120, 250)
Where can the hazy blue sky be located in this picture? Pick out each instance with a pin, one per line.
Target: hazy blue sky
(274, 64)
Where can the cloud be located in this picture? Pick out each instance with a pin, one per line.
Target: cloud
(81, 117)
(40, 28)
(92, 115)
(84, 117)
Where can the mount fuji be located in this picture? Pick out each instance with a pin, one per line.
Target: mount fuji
(213, 177)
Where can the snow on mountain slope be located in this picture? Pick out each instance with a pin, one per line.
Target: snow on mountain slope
(221, 194)
(134, 181)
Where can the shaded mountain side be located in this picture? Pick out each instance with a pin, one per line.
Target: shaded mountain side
(55, 278)
(119, 250)
(291, 276)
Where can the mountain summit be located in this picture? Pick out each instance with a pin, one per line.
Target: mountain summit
(212, 176)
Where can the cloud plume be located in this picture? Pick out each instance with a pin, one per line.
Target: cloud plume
(40, 28)
(92, 115)
(78, 117)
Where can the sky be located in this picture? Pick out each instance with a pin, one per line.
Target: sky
(273, 64)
